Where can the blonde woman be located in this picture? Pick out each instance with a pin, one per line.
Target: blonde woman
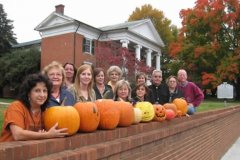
(59, 95)
(122, 91)
(82, 88)
(114, 74)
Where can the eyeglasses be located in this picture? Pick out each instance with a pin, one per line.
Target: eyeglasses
(55, 75)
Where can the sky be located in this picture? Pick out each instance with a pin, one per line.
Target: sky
(27, 14)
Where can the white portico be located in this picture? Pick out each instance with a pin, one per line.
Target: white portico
(140, 36)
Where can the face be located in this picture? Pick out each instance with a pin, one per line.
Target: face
(141, 79)
(85, 77)
(172, 83)
(182, 76)
(114, 76)
(157, 78)
(38, 95)
(100, 78)
(123, 92)
(55, 76)
(69, 70)
(141, 91)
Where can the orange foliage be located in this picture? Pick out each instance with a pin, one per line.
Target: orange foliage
(198, 51)
(174, 48)
(207, 78)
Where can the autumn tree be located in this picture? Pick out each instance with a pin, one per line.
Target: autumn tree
(6, 34)
(208, 45)
(111, 53)
(165, 29)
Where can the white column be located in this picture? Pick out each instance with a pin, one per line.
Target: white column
(149, 57)
(138, 52)
(158, 61)
(124, 43)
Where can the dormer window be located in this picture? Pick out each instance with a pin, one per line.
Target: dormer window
(88, 46)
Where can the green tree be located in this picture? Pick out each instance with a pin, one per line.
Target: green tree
(18, 64)
(165, 29)
(6, 34)
(208, 45)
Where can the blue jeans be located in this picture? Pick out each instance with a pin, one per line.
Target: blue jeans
(191, 110)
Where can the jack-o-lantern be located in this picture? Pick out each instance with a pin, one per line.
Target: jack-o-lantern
(181, 105)
(147, 111)
(89, 116)
(160, 112)
(109, 115)
(65, 116)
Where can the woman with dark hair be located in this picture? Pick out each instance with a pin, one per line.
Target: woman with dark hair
(102, 90)
(71, 72)
(141, 92)
(23, 119)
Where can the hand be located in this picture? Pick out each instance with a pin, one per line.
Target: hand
(54, 132)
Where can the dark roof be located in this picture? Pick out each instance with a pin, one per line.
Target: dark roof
(25, 44)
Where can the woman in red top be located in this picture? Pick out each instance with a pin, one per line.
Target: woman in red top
(23, 119)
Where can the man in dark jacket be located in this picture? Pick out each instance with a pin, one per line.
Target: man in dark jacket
(158, 92)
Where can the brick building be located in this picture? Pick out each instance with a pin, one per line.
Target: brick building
(69, 40)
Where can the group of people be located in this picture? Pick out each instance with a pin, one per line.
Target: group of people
(65, 85)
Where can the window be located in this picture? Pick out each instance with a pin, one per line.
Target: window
(88, 46)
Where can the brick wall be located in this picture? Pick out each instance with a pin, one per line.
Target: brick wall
(206, 135)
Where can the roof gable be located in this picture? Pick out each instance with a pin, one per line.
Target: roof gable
(144, 28)
(54, 20)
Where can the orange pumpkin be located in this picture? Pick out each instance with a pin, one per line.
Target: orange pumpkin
(160, 112)
(89, 116)
(181, 105)
(66, 117)
(109, 115)
(171, 106)
(126, 113)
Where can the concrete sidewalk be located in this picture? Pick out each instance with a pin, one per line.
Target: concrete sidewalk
(234, 152)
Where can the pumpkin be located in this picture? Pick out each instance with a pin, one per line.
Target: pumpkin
(170, 114)
(137, 115)
(126, 113)
(160, 114)
(171, 106)
(89, 116)
(147, 111)
(109, 115)
(181, 105)
(66, 117)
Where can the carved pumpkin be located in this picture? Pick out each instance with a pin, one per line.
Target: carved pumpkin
(109, 115)
(66, 117)
(171, 106)
(181, 105)
(160, 114)
(89, 116)
(147, 111)
(126, 113)
(170, 114)
(137, 115)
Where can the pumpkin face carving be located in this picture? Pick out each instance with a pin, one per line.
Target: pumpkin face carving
(66, 117)
(160, 112)
(89, 116)
(147, 111)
